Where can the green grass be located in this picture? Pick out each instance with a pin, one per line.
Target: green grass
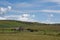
(45, 31)
(27, 36)
(34, 25)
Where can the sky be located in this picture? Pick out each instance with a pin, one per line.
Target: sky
(42, 11)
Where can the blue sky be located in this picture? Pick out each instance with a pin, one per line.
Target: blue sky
(44, 11)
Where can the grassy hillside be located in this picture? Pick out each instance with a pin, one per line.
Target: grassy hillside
(34, 25)
(45, 31)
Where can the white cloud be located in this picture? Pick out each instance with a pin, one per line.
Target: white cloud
(49, 18)
(26, 17)
(4, 10)
(33, 16)
(53, 11)
(9, 7)
(54, 1)
(24, 4)
(51, 15)
(35, 11)
(2, 18)
(23, 17)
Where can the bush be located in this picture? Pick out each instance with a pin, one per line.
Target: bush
(32, 30)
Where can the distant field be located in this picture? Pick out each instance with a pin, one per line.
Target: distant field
(44, 31)
(34, 25)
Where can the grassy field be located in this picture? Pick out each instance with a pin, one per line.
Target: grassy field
(27, 36)
(34, 25)
(45, 31)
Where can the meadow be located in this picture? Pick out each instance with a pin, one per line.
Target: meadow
(27, 36)
(37, 31)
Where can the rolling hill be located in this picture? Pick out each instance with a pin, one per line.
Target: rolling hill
(31, 25)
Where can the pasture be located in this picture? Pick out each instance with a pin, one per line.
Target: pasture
(27, 36)
(32, 31)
